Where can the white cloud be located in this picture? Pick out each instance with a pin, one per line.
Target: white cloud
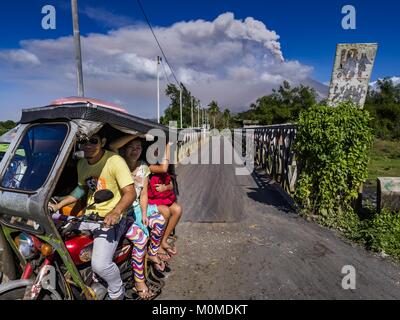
(138, 65)
(395, 80)
(20, 57)
(106, 18)
(192, 77)
(229, 60)
(272, 78)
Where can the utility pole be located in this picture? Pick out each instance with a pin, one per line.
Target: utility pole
(77, 45)
(158, 88)
(198, 116)
(191, 101)
(180, 102)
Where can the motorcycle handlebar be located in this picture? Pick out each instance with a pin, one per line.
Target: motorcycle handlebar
(93, 217)
(69, 226)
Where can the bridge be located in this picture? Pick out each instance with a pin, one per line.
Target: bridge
(240, 238)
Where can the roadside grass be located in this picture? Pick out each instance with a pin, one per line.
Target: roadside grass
(384, 160)
(379, 233)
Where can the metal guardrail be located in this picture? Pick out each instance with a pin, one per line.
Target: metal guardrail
(273, 152)
(190, 141)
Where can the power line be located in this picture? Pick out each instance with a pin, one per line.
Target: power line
(165, 72)
(158, 43)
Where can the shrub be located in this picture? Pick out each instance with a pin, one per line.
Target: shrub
(381, 233)
(333, 145)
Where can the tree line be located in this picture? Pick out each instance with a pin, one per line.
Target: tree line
(6, 126)
(284, 105)
(384, 107)
(216, 118)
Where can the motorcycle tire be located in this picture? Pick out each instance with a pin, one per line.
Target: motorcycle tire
(13, 294)
(18, 294)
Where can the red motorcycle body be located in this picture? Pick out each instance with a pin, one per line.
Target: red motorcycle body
(80, 248)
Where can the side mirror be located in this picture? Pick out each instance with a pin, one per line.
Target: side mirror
(103, 196)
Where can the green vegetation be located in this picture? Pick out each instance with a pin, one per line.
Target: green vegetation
(384, 160)
(333, 144)
(3, 147)
(214, 111)
(384, 106)
(286, 103)
(218, 119)
(6, 126)
(282, 106)
(379, 232)
(172, 113)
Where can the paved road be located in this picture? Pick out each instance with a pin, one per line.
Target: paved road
(239, 240)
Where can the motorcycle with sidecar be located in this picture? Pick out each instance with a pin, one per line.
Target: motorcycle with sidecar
(42, 257)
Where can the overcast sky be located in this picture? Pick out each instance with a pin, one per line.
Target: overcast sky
(233, 52)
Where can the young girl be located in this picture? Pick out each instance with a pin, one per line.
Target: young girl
(145, 215)
(161, 193)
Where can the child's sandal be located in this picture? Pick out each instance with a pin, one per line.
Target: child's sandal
(142, 293)
(159, 265)
(172, 251)
(164, 256)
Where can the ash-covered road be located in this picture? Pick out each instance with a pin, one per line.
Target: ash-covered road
(239, 240)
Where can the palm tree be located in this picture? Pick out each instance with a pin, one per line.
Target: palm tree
(226, 116)
(213, 110)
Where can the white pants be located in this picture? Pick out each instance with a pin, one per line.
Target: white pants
(104, 246)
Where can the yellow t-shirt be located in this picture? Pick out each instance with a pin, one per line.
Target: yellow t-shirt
(111, 173)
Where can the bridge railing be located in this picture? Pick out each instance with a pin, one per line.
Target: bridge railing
(189, 140)
(273, 152)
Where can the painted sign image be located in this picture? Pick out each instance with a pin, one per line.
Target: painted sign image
(351, 73)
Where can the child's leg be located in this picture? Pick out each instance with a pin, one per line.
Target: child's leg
(164, 210)
(157, 225)
(176, 213)
(139, 239)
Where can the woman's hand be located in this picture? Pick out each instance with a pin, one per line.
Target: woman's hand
(161, 187)
(145, 220)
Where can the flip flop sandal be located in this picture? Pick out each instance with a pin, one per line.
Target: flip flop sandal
(154, 283)
(171, 251)
(173, 238)
(159, 266)
(164, 256)
(139, 292)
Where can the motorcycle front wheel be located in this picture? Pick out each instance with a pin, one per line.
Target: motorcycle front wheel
(19, 293)
(13, 294)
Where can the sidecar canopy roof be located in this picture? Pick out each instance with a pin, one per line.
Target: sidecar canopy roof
(87, 112)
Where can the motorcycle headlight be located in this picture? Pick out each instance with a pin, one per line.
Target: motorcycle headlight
(86, 253)
(26, 245)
